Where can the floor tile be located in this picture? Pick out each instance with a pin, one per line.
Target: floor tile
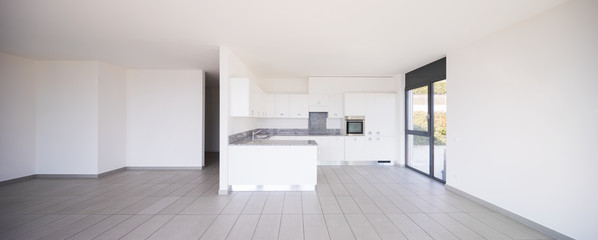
(291, 227)
(184, 227)
(267, 228)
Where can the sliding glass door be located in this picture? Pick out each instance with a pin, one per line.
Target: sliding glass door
(439, 130)
(425, 129)
(418, 138)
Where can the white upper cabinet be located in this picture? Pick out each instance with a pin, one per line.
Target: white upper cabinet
(336, 108)
(246, 98)
(298, 106)
(270, 100)
(281, 103)
(257, 104)
(318, 103)
(380, 115)
(355, 104)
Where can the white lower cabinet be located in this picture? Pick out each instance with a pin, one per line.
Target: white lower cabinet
(350, 148)
(272, 165)
(355, 148)
(330, 148)
(380, 148)
(337, 149)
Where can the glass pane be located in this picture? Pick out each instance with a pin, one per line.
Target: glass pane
(355, 127)
(417, 109)
(440, 130)
(418, 153)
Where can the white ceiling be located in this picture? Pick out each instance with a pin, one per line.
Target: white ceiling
(275, 38)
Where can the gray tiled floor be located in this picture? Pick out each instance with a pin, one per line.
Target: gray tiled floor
(351, 202)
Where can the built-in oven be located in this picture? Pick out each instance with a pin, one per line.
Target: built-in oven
(355, 125)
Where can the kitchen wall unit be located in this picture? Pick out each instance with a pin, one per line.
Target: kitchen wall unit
(378, 142)
(354, 104)
(336, 108)
(270, 105)
(298, 106)
(281, 103)
(318, 103)
(380, 114)
(246, 98)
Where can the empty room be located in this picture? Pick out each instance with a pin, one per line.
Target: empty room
(196, 119)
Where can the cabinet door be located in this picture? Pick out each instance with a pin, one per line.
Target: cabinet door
(386, 148)
(281, 105)
(385, 115)
(337, 148)
(380, 148)
(256, 105)
(323, 150)
(270, 100)
(298, 106)
(336, 106)
(371, 149)
(318, 100)
(354, 104)
(372, 116)
(355, 149)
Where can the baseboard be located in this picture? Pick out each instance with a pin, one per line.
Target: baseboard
(511, 215)
(66, 175)
(16, 180)
(224, 191)
(163, 168)
(335, 163)
(108, 173)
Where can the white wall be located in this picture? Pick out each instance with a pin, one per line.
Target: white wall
(522, 119)
(235, 68)
(340, 85)
(165, 118)
(67, 117)
(17, 121)
(231, 66)
(284, 85)
(400, 117)
(112, 117)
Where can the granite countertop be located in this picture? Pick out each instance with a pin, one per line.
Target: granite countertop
(266, 142)
(309, 134)
(262, 137)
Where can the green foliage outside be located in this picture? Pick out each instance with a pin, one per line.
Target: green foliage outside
(439, 88)
(420, 123)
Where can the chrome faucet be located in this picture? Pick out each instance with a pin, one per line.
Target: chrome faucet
(253, 134)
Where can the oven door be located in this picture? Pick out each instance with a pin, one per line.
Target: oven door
(354, 128)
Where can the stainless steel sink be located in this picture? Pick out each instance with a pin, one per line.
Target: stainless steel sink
(262, 136)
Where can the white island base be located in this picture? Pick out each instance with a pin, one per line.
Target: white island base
(272, 168)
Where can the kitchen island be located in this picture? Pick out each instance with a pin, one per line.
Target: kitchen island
(273, 165)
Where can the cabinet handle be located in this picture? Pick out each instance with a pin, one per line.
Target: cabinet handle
(370, 132)
(369, 139)
(378, 132)
(281, 114)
